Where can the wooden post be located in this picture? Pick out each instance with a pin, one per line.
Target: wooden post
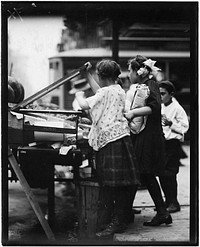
(30, 195)
(51, 198)
(115, 39)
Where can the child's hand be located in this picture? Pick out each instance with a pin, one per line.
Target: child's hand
(166, 121)
(88, 65)
(129, 115)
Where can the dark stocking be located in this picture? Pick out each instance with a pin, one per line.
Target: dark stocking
(124, 197)
(174, 189)
(165, 185)
(169, 187)
(154, 191)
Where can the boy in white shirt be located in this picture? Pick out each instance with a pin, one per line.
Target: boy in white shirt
(175, 125)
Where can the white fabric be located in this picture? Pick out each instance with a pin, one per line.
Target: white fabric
(75, 105)
(135, 98)
(108, 122)
(65, 149)
(180, 124)
(150, 63)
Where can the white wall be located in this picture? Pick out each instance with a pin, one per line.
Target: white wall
(31, 41)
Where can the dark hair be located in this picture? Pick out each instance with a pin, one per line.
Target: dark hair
(137, 62)
(168, 85)
(108, 69)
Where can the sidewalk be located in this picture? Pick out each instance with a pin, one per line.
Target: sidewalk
(24, 226)
(179, 230)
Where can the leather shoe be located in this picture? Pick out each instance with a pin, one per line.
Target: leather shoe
(112, 228)
(159, 219)
(173, 208)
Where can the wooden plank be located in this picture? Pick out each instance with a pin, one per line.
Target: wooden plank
(65, 112)
(92, 196)
(89, 183)
(50, 88)
(50, 129)
(82, 212)
(44, 91)
(30, 196)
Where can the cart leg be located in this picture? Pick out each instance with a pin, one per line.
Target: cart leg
(81, 210)
(51, 202)
(30, 195)
(5, 203)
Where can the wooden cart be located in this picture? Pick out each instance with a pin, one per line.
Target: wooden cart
(21, 134)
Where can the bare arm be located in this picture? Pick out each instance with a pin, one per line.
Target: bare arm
(143, 111)
(93, 84)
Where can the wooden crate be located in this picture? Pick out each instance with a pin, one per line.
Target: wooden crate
(88, 195)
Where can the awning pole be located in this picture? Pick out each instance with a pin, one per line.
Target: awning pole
(115, 40)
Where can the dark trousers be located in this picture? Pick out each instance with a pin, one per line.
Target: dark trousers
(115, 202)
(168, 181)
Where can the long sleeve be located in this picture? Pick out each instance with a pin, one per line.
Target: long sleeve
(180, 124)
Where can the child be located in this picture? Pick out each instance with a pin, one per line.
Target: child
(149, 143)
(115, 157)
(175, 125)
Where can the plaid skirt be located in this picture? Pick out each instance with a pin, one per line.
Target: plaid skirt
(116, 164)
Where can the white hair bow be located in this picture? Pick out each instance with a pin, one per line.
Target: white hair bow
(150, 63)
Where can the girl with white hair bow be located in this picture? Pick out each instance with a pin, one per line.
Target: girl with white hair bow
(149, 142)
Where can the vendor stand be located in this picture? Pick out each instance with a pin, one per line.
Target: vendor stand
(51, 137)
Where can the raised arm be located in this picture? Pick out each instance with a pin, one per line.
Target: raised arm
(93, 84)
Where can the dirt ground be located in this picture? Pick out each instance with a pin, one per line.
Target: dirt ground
(25, 229)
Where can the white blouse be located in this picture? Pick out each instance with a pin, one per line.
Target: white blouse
(108, 122)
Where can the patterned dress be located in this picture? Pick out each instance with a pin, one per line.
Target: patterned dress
(110, 138)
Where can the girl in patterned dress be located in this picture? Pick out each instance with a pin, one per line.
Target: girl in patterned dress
(115, 156)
